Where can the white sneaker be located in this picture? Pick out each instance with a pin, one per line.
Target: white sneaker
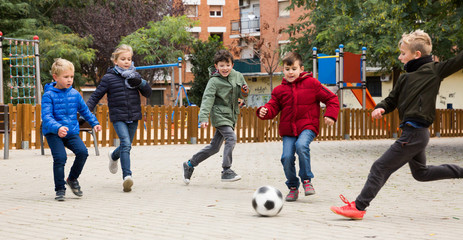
(112, 163)
(128, 183)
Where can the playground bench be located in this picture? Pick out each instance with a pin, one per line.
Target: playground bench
(83, 127)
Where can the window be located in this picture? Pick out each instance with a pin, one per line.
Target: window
(215, 11)
(282, 6)
(218, 34)
(282, 46)
(191, 10)
(195, 34)
(157, 97)
(374, 86)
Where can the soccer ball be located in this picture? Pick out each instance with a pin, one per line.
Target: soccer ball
(267, 201)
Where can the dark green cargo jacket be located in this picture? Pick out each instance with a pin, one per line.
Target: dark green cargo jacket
(414, 94)
(220, 99)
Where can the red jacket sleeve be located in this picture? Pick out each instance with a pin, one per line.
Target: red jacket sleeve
(330, 100)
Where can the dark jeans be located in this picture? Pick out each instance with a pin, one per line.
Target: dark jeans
(125, 132)
(409, 148)
(57, 146)
(221, 133)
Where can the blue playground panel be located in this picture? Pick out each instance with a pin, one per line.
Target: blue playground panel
(326, 69)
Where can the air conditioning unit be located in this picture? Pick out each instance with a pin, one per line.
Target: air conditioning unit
(385, 78)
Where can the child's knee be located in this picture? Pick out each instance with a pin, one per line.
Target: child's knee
(81, 153)
(300, 147)
(420, 175)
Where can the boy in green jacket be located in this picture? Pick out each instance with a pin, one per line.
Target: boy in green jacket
(414, 96)
(220, 101)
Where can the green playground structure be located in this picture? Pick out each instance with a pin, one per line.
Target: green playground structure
(24, 70)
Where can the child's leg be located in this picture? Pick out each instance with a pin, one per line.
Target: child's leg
(59, 159)
(209, 150)
(423, 172)
(303, 151)
(77, 146)
(125, 132)
(230, 141)
(288, 161)
(412, 142)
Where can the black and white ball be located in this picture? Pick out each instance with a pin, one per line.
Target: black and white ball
(267, 201)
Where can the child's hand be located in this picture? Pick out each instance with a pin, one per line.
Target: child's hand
(329, 121)
(204, 124)
(377, 113)
(244, 90)
(97, 128)
(262, 112)
(134, 79)
(63, 131)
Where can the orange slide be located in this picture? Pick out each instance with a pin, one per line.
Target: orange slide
(370, 104)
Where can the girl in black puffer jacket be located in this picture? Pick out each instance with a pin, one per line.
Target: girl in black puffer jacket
(123, 85)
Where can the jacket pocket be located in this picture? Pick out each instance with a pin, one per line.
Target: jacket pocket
(219, 113)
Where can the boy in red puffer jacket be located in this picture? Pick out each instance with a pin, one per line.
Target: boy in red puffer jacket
(298, 98)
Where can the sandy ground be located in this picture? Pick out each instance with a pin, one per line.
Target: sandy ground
(162, 207)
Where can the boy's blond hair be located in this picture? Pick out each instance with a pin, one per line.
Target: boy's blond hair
(60, 65)
(122, 48)
(417, 41)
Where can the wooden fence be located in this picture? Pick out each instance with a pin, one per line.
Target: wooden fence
(179, 125)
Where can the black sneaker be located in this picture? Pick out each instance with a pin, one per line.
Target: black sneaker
(230, 176)
(187, 172)
(75, 187)
(60, 195)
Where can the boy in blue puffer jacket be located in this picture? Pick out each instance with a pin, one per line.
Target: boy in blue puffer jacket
(60, 104)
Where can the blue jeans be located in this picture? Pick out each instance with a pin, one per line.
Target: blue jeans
(125, 131)
(58, 151)
(299, 145)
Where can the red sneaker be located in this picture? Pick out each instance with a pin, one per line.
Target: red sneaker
(348, 211)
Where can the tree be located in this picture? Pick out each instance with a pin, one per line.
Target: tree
(24, 19)
(202, 57)
(161, 42)
(107, 22)
(69, 46)
(377, 25)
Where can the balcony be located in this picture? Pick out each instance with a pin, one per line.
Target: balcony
(251, 65)
(244, 26)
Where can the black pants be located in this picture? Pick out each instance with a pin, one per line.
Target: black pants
(409, 148)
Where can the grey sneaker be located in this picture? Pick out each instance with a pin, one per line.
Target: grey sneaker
(128, 183)
(230, 176)
(187, 172)
(292, 195)
(60, 195)
(75, 187)
(112, 163)
(308, 188)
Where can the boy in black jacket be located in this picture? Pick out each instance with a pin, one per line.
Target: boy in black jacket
(414, 95)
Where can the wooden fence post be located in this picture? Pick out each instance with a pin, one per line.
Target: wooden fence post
(38, 122)
(437, 123)
(346, 123)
